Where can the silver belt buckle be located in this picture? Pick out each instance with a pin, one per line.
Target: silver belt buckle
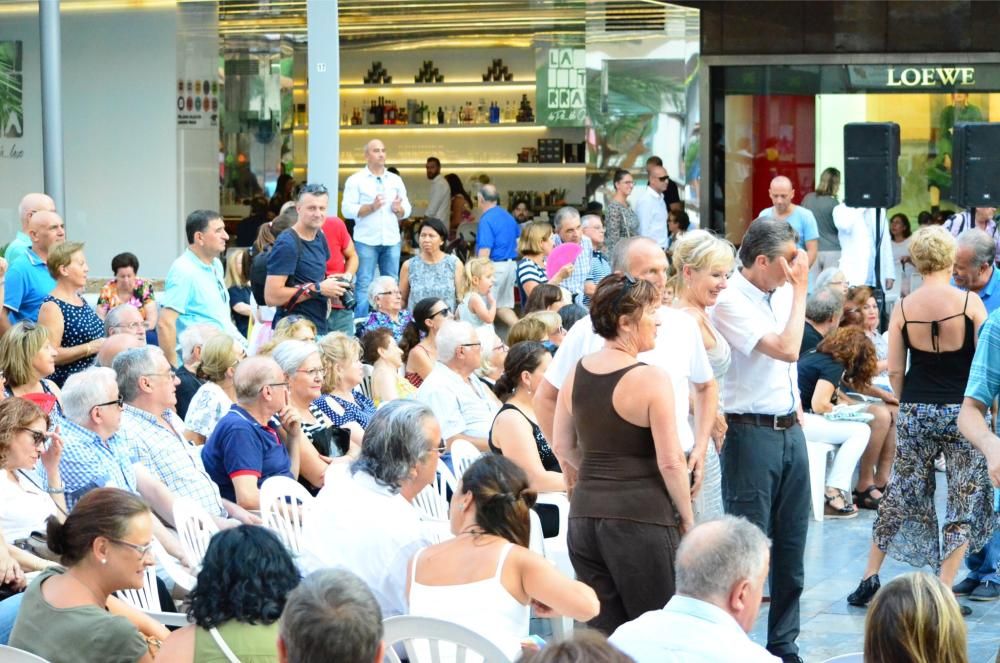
(774, 422)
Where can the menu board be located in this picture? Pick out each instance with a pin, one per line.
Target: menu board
(561, 85)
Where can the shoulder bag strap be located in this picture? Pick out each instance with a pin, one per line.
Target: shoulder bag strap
(221, 644)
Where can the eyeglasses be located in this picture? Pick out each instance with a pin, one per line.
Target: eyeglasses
(165, 374)
(275, 384)
(143, 551)
(130, 325)
(314, 190)
(662, 179)
(627, 288)
(118, 401)
(442, 447)
(313, 372)
(444, 311)
(471, 345)
(37, 437)
(391, 292)
(501, 348)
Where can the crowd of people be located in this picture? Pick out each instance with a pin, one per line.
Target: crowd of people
(663, 381)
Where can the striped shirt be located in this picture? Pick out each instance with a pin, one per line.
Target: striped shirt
(170, 457)
(88, 462)
(599, 268)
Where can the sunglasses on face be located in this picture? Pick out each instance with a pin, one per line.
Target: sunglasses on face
(37, 437)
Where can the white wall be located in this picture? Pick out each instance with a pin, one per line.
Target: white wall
(120, 140)
(833, 111)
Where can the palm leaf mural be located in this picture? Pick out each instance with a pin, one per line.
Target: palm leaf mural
(11, 104)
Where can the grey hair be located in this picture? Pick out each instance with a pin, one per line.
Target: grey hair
(587, 219)
(489, 193)
(450, 335)
(331, 615)
(131, 365)
(394, 442)
(824, 304)
(824, 278)
(252, 375)
(378, 285)
(766, 237)
(114, 317)
(983, 248)
(194, 336)
(620, 262)
(562, 214)
(291, 354)
(84, 390)
(725, 552)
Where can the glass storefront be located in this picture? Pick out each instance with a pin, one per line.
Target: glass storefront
(788, 120)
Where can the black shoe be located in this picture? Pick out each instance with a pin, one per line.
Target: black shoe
(965, 587)
(987, 591)
(966, 610)
(865, 591)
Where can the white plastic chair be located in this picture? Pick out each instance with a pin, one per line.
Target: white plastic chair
(14, 655)
(421, 637)
(432, 501)
(556, 551)
(818, 453)
(367, 370)
(195, 528)
(147, 599)
(463, 454)
(184, 580)
(284, 504)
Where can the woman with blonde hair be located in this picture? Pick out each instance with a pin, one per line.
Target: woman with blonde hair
(535, 244)
(935, 331)
(75, 331)
(26, 358)
(219, 358)
(915, 619)
(821, 203)
(291, 327)
(341, 400)
(528, 328)
(702, 263)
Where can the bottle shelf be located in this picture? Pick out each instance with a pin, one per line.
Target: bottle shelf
(460, 86)
(492, 165)
(509, 126)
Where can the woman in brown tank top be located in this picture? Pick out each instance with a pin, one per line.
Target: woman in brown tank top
(615, 429)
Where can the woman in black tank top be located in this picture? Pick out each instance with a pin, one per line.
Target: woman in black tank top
(936, 326)
(615, 430)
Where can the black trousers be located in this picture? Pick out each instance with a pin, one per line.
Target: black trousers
(629, 565)
(765, 479)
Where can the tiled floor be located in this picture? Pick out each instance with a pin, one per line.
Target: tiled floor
(836, 553)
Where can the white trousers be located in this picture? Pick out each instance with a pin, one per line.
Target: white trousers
(852, 438)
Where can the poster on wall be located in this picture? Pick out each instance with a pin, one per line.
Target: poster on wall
(197, 103)
(560, 83)
(11, 100)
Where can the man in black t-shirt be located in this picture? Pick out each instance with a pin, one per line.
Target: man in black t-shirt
(823, 310)
(296, 265)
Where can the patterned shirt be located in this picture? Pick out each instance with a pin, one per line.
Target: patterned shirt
(599, 268)
(169, 456)
(581, 269)
(360, 411)
(89, 462)
(108, 298)
(379, 319)
(210, 403)
(984, 374)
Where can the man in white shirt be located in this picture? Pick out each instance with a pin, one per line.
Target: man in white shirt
(679, 351)
(856, 228)
(363, 519)
(651, 208)
(458, 398)
(439, 201)
(765, 468)
(715, 606)
(376, 199)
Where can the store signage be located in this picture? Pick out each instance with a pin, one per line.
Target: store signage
(11, 99)
(931, 77)
(561, 89)
(197, 104)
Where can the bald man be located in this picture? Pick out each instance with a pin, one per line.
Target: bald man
(115, 344)
(28, 280)
(31, 203)
(800, 218)
(376, 199)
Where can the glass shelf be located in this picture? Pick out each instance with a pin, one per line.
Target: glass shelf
(508, 127)
(463, 86)
(494, 166)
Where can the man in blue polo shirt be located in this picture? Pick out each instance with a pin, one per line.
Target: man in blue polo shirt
(28, 279)
(496, 239)
(798, 217)
(974, 268)
(195, 291)
(246, 448)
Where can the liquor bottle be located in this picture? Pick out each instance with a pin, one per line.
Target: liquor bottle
(371, 113)
(440, 115)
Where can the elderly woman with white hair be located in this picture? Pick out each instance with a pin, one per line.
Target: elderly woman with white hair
(386, 299)
(494, 353)
(301, 362)
(463, 404)
(832, 278)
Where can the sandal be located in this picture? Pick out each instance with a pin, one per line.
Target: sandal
(864, 498)
(839, 512)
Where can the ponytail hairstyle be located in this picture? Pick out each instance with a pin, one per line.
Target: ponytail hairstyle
(417, 327)
(474, 269)
(523, 356)
(106, 512)
(500, 490)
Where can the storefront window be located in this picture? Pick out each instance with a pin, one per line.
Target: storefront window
(789, 120)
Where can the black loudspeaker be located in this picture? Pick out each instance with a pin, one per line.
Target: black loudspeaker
(871, 155)
(975, 164)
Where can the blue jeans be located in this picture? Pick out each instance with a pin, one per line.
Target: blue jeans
(985, 564)
(387, 259)
(8, 613)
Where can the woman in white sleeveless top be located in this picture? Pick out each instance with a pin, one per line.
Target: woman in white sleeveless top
(485, 578)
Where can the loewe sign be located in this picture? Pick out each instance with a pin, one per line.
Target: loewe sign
(931, 77)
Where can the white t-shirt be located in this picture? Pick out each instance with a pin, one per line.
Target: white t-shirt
(461, 407)
(679, 351)
(24, 507)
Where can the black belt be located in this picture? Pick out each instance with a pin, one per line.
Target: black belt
(773, 421)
